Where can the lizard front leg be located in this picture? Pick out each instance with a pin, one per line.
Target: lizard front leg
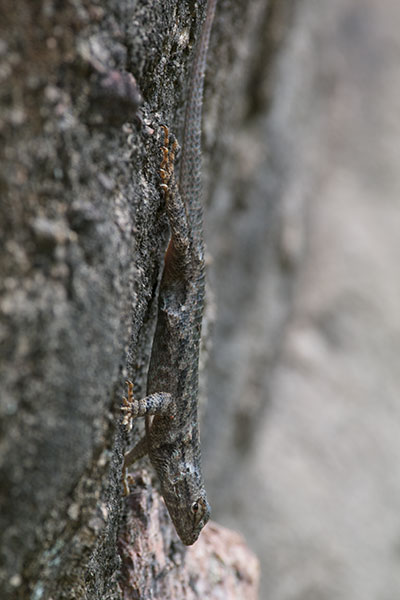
(158, 403)
(138, 451)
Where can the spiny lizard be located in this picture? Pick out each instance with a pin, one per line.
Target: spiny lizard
(172, 431)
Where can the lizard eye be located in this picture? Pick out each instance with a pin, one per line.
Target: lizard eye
(200, 511)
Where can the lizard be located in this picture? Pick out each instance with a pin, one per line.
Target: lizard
(170, 408)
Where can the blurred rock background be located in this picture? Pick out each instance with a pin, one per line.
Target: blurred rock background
(302, 434)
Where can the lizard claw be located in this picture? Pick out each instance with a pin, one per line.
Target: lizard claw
(128, 407)
(169, 149)
(126, 404)
(127, 480)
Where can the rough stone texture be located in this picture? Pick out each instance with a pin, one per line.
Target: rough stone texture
(303, 453)
(301, 163)
(155, 565)
(83, 233)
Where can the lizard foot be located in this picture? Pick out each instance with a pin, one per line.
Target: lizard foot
(167, 163)
(127, 480)
(129, 407)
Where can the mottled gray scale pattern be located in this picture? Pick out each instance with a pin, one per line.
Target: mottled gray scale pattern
(172, 432)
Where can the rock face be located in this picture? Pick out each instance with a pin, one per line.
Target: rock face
(84, 90)
(218, 565)
(301, 167)
(309, 436)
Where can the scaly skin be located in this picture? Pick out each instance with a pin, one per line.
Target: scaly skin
(171, 407)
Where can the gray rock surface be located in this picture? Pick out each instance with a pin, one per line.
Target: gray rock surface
(83, 234)
(301, 161)
(309, 432)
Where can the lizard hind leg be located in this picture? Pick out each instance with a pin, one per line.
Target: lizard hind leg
(167, 164)
(174, 203)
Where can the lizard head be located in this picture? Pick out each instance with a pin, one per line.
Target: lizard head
(187, 504)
